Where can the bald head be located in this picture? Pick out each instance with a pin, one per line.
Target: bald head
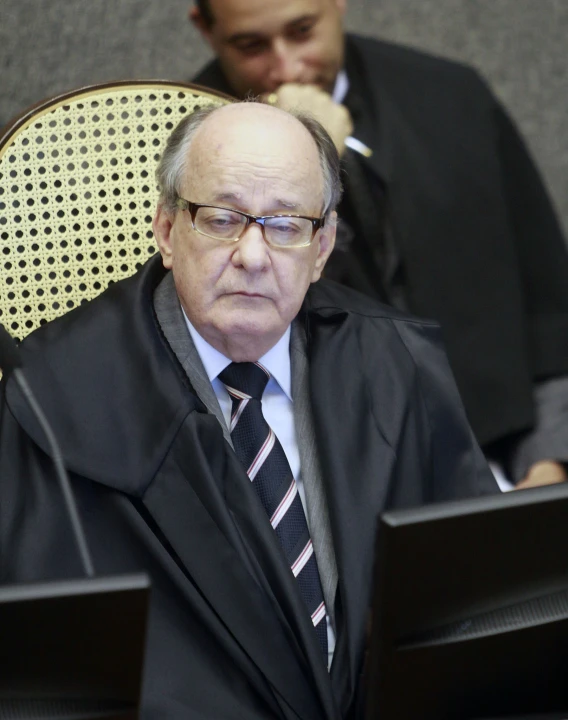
(242, 139)
(259, 125)
(260, 114)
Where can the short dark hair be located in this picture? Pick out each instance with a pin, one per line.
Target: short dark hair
(205, 11)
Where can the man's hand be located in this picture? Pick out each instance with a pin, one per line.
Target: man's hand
(545, 472)
(310, 99)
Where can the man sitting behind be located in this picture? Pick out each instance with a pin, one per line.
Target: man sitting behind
(234, 426)
(444, 213)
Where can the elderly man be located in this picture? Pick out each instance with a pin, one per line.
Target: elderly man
(444, 213)
(234, 427)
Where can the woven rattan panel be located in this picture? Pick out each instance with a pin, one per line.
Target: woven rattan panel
(77, 195)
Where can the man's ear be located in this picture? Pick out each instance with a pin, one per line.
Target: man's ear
(198, 21)
(162, 225)
(326, 244)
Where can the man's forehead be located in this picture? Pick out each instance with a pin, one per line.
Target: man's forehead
(233, 182)
(262, 15)
(254, 148)
(253, 128)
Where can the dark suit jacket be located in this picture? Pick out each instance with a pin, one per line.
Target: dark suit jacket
(160, 490)
(468, 217)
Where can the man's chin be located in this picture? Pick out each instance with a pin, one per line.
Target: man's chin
(234, 304)
(250, 325)
(247, 336)
(260, 92)
(318, 82)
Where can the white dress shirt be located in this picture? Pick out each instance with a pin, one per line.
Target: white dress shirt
(340, 88)
(277, 409)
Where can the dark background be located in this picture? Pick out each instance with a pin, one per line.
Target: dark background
(520, 46)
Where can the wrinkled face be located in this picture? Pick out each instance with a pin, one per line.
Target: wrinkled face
(241, 296)
(262, 44)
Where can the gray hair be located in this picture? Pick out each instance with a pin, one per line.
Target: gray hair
(173, 166)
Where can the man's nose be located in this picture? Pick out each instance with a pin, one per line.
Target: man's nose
(286, 64)
(251, 251)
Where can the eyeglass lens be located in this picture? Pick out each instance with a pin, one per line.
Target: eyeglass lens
(223, 224)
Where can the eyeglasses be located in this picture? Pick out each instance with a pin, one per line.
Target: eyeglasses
(279, 231)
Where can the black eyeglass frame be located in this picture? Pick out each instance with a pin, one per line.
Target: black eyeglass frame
(192, 208)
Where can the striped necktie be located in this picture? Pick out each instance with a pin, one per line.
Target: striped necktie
(265, 462)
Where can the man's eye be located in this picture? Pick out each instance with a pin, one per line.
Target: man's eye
(222, 221)
(302, 32)
(251, 47)
(218, 221)
(285, 227)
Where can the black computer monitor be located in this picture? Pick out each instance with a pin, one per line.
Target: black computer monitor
(470, 616)
(73, 649)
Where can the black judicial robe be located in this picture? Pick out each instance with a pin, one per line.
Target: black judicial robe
(159, 490)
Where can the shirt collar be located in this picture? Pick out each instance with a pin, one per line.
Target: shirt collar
(276, 360)
(341, 87)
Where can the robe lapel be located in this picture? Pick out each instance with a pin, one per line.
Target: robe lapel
(371, 108)
(357, 481)
(399, 152)
(316, 501)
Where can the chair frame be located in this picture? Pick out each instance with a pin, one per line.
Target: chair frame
(49, 266)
